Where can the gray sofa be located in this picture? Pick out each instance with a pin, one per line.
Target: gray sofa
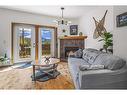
(112, 76)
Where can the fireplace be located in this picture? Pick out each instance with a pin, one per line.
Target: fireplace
(71, 43)
(70, 49)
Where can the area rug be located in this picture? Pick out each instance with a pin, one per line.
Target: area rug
(16, 66)
(21, 79)
(24, 65)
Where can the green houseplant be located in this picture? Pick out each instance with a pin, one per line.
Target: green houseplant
(107, 39)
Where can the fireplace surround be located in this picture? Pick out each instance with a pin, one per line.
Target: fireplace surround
(70, 43)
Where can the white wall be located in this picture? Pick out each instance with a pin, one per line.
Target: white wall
(9, 16)
(120, 34)
(87, 25)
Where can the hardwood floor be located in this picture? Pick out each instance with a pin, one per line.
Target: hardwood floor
(21, 79)
(59, 83)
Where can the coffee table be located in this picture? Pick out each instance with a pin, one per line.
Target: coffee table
(49, 69)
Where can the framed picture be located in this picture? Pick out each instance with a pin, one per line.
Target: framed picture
(74, 30)
(121, 20)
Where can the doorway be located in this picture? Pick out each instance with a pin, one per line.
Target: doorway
(48, 42)
(24, 43)
(31, 42)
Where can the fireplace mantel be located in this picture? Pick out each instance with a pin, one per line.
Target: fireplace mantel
(73, 38)
(71, 42)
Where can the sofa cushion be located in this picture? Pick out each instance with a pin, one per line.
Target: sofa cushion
(76, 62)
(110, 61)
(85, 55)
(91, 67)
(115, 63)
(101, 59)
(89, 56)
(92, 57)
(84, 67)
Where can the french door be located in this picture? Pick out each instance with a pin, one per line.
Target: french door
(24, 43)
(24, 46)
(47, 42)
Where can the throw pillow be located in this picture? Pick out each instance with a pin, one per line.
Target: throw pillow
(83, 67)
(78, 53)
(91, 67)
(92, 57)
(110, 61)
(85, 55)
(114, 63)
(89, 56)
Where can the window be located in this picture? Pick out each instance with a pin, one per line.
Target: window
(46, 42)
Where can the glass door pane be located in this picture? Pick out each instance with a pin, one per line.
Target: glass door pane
(25, 43)
(46, 42)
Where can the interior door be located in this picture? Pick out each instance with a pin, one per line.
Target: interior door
(24, 43)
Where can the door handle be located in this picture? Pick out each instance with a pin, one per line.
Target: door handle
(34, 45)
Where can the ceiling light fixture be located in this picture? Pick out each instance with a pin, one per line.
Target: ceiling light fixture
(62, 21)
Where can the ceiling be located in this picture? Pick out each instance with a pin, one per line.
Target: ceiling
(69, 12)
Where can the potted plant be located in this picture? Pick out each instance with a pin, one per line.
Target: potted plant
(107, 39)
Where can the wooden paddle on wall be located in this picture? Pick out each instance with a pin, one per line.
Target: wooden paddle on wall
(100, 29)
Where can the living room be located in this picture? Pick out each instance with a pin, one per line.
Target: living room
(69, 28)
